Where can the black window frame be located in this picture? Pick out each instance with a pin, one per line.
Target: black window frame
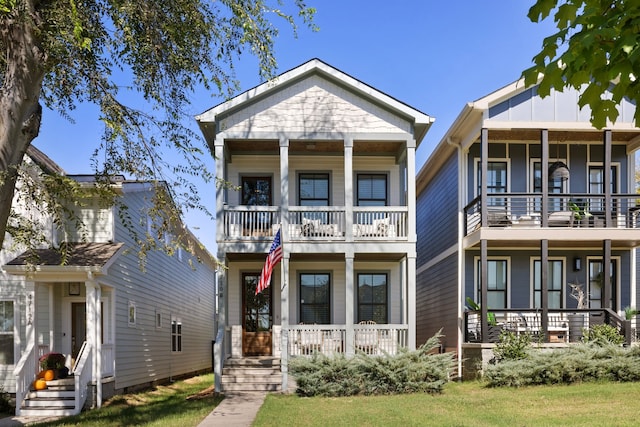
(303, 201)
(315, 306)
(373, 304)
(371, 201)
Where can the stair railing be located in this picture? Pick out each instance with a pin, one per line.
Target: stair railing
(25, 372)
(82, 374)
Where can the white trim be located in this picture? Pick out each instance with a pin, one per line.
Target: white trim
(563, 279)
(476, 164)
(617, 259)
(476, 260)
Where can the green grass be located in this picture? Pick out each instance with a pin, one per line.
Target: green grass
(163, 406)
(464, 404)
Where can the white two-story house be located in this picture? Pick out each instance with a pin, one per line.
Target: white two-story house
(330, 162)
(119, 326)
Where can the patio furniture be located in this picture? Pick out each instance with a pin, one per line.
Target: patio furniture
(367, 339)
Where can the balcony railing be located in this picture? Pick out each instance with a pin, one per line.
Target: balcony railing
(563, 326)
(563, 210)
(376, 339)
(317, 223)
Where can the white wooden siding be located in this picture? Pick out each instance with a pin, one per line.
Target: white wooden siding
(171, 287)
(313, 105)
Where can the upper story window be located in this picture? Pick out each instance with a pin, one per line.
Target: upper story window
(313, 189)
(596, 185)
(372, 189)
(256, 191)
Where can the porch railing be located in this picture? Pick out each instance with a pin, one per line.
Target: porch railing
(317, 222)
(563, 325)
(563, 210)
(379, 339)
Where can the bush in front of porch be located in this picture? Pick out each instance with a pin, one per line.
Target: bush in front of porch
(422, 370)
(577, 363)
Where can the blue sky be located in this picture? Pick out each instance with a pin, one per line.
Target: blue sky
(433, 55)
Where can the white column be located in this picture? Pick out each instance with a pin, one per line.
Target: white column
(92, 301)
(348, 189)
(411, 192)
(220, 189)
(30, 316)
(284, 318)
(218, 348)
(284, 190)
(349, 303)
(52, 343)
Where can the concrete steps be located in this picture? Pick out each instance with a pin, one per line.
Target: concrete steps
(58, 399)
(251, 374)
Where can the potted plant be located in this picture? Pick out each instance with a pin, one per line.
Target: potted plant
(54, 362)
(493, 328)
(580, 213)
(576, 320)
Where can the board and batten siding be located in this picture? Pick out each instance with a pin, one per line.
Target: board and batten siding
(313, 105)
(437, 282)
(252, 165)
(171, 287)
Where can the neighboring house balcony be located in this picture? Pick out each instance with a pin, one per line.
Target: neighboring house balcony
(308, 223)
(574, 217)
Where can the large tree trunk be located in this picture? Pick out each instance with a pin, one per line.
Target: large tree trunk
(20, 111)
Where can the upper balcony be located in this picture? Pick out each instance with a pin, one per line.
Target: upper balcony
(313, 223)
(575, 219)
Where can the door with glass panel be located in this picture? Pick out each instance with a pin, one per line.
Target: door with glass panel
(256, 317)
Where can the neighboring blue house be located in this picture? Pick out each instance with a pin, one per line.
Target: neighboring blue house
(520, 199)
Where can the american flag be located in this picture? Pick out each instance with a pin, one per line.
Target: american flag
(274, 257)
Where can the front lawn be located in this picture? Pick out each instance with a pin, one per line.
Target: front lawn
(464, 404)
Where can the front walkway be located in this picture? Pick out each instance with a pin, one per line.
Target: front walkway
(238, 409)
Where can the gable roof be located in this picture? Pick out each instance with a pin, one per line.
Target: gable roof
(43, 161)
(80, 257)
(421, 121)
(518, 112)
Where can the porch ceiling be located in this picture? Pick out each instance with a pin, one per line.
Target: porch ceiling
(310, 147)
(561, 136)
(319, 257)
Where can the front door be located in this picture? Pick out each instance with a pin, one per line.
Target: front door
(256, 317)
(79, 327)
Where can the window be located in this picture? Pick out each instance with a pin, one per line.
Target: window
(176, 334)
(594, 290)
(372, 189)
(556, 186)
(497, 284)
(132, 313)
(313, 189)
(158, 319)
(496, 181)
(596, 186)
(314, 298)
(7, 331)
(372, 297)
(256, 191)
(555, 278)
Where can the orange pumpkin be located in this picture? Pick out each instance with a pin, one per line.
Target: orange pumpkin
(40, 384)
(40, 375)
(49, 375)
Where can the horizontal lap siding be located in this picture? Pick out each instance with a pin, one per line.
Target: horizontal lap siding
(171, 287)
(437, 306)
(437, 283)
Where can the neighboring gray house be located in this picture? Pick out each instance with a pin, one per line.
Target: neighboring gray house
(330, 162)
(521, 198)
(119, 326)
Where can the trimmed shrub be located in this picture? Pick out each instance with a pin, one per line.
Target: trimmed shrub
(577, 363)
(422, 370)
(602, 335)
(512, 346)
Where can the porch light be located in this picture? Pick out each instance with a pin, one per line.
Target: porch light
(577, 264)
(558, 170)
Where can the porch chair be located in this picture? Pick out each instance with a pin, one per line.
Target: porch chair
(561, 219)
(309, 340)
(367, 339)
